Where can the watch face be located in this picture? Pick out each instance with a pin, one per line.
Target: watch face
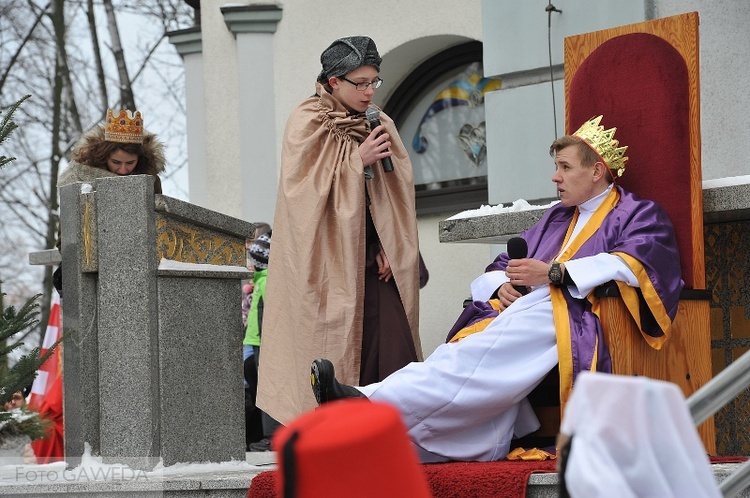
(555, 275)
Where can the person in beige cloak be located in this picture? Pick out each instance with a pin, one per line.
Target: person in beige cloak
(343, 279)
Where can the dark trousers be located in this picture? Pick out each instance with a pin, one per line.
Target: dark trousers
(267, 423)
(253, 420)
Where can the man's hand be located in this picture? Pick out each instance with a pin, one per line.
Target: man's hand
(375, 147)
(506, 293)
(384, 266)
(522, 272)
(528, 272)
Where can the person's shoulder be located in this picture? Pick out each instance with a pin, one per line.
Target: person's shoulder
(68, 175)
(310, 103)
(307, 120)
(385, 117)
(557, 211)
(78, 172)
(631, 200)
(305, 111)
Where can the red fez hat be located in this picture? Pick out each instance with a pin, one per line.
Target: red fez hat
(348, 448)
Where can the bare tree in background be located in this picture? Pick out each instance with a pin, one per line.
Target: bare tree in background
(127, 99)
(69, 55)
(102, 82)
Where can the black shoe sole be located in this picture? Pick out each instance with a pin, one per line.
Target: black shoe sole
(321, 373)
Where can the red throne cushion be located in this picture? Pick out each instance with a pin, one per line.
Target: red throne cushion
(639, 83)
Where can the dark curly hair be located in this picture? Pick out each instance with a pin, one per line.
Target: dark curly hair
(93, 151)
(97, 153)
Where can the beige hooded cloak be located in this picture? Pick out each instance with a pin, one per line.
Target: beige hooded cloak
(315, 290)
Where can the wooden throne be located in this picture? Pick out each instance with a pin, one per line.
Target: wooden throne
(644, 79)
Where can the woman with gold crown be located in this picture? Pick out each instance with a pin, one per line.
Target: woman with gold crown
(119, 147)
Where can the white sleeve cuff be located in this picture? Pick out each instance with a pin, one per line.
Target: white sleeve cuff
(593, 271)
(485, 285)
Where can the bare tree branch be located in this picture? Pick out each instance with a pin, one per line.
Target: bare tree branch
(24, 41)
(127, 99)
(71, 88)
(99, 65)
(147, 59)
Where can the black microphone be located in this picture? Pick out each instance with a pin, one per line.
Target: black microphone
(517, 249)
(373, 116)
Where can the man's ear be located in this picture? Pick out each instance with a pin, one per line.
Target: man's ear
(333, 82)
(600, 169)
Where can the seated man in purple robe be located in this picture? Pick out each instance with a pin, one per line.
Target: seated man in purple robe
(467, 400)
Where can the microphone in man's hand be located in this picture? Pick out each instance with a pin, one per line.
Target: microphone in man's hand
(517, 249)
(373, 116)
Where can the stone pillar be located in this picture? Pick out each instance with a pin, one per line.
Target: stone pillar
(189, 45)
(152, 302)
(80, 350)
(128, 335)
(253, 27)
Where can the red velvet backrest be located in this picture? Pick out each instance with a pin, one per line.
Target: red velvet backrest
(639, 83)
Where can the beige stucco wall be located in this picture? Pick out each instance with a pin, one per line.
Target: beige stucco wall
(452, 268)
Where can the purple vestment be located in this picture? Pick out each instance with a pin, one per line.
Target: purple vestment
(634, 226)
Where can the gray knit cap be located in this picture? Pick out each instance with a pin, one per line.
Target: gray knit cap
(347, 54)
(259, 251)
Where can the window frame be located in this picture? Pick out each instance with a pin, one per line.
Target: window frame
(450, 197)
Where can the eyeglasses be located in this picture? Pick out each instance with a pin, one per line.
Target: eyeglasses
(364, 85)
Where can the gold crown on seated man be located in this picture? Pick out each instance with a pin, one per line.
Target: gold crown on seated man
(126, 127)
(603, 142)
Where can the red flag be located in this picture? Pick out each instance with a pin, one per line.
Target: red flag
(46, 392)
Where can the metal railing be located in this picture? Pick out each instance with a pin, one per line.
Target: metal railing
(710, 398)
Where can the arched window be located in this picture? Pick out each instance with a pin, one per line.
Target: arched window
(439, 110)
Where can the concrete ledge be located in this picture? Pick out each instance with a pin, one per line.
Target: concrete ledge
(493, 229)
(729, 203)
(169, 268)
(720, 204)
(226, 483)
(545, 485)
(180, 481)
(197, 215)
(48, 257)
(174, 273)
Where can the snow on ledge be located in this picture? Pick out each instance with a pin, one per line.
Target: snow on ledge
(729, 181)
(89, 469)
(168, 264)
(484, 210)
(522, 205)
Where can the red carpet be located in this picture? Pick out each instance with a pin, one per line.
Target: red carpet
(501, 479)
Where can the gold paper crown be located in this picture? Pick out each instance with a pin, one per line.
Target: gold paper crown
(603, 142)
(124, 128)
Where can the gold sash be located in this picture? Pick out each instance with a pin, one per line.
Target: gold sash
(560, 306)
(630, 298)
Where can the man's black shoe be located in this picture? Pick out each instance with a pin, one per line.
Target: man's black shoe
(325, 386)
(262, 445)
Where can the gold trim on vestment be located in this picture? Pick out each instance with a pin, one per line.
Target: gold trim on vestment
(654, 302)
(560, 306)
(478, 326)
